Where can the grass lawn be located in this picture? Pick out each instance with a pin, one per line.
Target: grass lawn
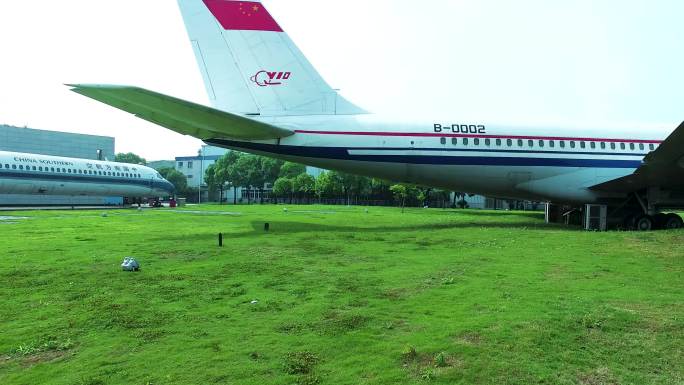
(343, 296)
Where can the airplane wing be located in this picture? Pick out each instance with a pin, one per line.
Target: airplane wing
(179, 115)
(663, 167)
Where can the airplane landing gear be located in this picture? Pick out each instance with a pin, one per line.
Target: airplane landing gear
(672, 222)
(644, 223)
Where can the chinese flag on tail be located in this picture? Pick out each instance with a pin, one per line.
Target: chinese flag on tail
(242, 15)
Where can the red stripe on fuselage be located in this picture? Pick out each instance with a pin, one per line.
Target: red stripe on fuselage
(439, 135)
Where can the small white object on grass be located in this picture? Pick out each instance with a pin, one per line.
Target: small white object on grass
(254, 302)
(130, 264)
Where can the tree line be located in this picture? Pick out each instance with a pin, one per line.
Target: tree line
(290, 183)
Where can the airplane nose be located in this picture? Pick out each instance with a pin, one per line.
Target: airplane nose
(164, 186)
(168, 187)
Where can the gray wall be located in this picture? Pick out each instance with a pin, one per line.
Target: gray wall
(55, 143)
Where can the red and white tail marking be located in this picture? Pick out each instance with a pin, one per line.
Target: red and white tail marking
(251, 66)
(242, 15)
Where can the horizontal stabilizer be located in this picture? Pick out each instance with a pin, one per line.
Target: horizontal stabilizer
(179, 115)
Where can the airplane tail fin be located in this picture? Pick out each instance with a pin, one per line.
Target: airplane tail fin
(251, 66)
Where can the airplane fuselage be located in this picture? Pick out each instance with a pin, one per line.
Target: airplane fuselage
(22, 173)
(473, 157)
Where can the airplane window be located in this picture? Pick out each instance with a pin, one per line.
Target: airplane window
(442, 140)
(641, 146)
(530, 143)
(552, 143)
(34, 168)
(603, 145)
(622, 146)
(583, 145)
(21, 167)
(520, 143)
(476, 141)
(541, 143)
(6, 165)
(612, 146)
(64, 170)
(488, 142)
(14, 167)
(465, 141)
(498, 142)
(572, 144)
(562, 143)
(631, 146)
(180, 164)
(593, 144)
(509, 142)
(454, 141)
(651, 146)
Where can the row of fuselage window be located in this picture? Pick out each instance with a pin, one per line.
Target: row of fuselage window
(551, 144)
(61, 170)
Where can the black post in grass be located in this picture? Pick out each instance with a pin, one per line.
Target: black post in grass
(267, 226)
(220, 239)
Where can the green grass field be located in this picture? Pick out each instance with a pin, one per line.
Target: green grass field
(344, 297)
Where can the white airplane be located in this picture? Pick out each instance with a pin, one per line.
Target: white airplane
(22, 173)
(269, 100)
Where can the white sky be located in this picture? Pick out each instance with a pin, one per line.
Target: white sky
(525, 61)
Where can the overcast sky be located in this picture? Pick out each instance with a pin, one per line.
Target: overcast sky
(526, 61)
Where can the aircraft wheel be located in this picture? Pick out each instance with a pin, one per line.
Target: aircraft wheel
(672, 222)
(659, 221)
(644, 223)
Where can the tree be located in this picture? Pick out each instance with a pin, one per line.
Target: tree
(283, 188)
(211, 178)
(129, 157)
(327, 186)
(292, 170)
(304, 184)
(226, 171)
(403, 193)
(179, 181)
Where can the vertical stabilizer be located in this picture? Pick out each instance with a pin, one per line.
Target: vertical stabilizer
(251, 66)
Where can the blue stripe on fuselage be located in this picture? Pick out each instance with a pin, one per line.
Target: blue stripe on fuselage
(342, 153)
(38, 176)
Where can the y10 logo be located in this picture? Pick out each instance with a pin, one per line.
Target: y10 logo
(267, 78)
